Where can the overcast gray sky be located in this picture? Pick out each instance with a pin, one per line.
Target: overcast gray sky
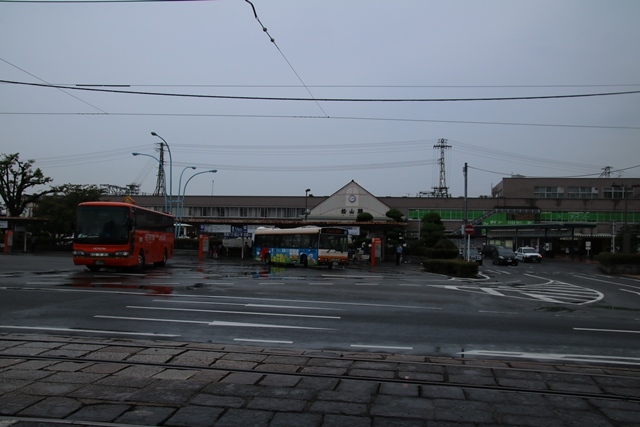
(425, 55)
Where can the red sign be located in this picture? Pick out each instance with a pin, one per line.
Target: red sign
(468, 229)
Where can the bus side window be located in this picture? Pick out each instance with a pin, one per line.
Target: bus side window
(305, 241)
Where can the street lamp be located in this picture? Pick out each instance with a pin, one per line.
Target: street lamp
(163, 182)
(170, 169)
(306, 199)
(184, 190)
(177, 230)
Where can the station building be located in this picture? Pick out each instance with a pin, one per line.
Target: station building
(558, 215)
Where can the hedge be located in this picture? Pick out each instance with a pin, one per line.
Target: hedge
(457, 268)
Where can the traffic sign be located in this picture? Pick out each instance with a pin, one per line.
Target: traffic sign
(468, 229)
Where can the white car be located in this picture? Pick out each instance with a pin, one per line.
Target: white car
(527, 254)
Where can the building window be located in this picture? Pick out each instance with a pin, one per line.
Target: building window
(548, 192)
(582, 193)
(617, 192)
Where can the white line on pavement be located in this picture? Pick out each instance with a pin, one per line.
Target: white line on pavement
(253, 313)
(386, 347)
(94, 331)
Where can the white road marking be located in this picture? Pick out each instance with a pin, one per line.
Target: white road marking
(607, 330)
(608, 281)
(633, 292)
(386, 347)
(253, 313)
(497, 312)
(219, 283)
(265, 325)
(214, 323)
(308, 301)
(263, 341)
(353, 277)
(95, 331)
(366, 284)
(555, 356)
(492, 292)
(550, 290)
(320, 283)
(248, 305)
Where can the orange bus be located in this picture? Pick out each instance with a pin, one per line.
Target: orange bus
(118, 234)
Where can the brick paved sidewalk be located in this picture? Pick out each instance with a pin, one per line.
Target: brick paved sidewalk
(50, 380)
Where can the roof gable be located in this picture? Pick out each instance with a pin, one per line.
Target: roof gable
(348, 202)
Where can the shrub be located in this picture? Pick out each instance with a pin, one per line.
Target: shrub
(608, 259)
(457, 268)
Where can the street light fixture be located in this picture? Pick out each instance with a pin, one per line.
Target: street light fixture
(177, 230)
(170, 169)
(306, 199)
(164, 182)
(184, 190)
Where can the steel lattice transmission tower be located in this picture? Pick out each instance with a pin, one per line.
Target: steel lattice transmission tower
(160, 183)
(441, 190)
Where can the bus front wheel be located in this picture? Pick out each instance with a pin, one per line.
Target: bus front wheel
(140, 265)
(304, 261)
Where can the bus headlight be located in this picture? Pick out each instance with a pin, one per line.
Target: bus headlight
(78, 253)
(122, 253)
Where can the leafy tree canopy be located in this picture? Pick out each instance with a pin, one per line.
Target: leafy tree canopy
(16, 177)
(59, 207)
(364, 216)
(395, 215)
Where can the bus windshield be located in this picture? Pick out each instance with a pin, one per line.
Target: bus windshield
(103, 225)
(333, 242)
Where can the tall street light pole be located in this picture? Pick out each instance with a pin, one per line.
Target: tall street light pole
(177, 230)
(162, 166)
(184, 190)
(170, 169)
(306, 199)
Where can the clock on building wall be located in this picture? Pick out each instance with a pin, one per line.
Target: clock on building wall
(352, 198)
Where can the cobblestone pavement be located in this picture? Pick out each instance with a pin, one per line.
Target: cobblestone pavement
(50, 380)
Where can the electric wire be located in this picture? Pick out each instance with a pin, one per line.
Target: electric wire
(304, 117)
(255, 14)
(62, 90)
(312, 99)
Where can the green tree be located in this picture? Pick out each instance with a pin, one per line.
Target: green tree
(16, 177)
(431, 229)
(364, 216)
(59, 207)
(395, 215)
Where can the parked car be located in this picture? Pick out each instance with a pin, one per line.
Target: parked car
(474, 255)
(528, 254)
(487, 250)
(504, 256)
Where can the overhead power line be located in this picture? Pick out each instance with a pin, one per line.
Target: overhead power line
(273, 116)
(273, 98)
(255, 14)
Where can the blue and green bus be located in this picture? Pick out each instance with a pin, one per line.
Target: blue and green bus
(306, 246)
